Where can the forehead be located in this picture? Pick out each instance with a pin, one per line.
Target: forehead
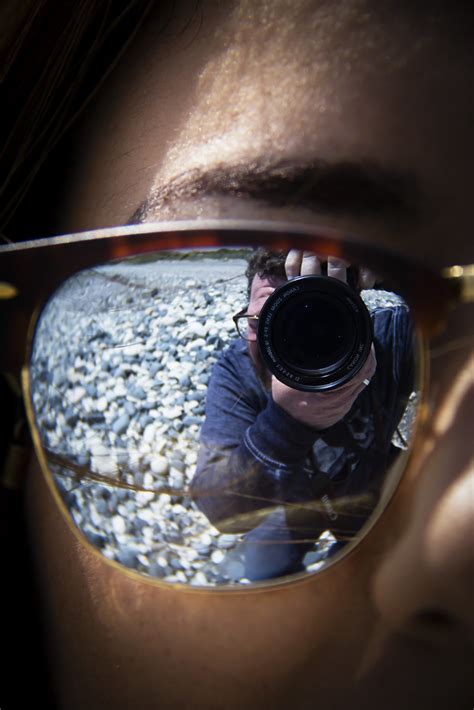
(262, 287)
(256, 83)
(285, 80)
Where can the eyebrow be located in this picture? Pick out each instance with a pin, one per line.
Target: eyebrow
(360, 188)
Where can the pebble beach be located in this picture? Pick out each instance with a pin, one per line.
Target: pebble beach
(121, 361)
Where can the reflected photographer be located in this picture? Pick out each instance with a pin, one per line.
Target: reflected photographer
(286, 461)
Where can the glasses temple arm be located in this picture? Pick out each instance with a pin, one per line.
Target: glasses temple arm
(461, 279)
(16, 450)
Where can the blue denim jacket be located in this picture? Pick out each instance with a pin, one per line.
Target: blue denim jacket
(254, 456)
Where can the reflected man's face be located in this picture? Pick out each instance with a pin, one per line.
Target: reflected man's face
(323, 113)
(261, 289)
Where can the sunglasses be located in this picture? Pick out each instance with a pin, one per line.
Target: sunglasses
(163, 435)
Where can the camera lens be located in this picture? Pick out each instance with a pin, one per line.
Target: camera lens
(314, 333)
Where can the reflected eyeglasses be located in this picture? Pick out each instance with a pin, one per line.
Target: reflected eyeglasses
(246, 325)
(155, 428)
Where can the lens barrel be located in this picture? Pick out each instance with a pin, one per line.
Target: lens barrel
(314, 333)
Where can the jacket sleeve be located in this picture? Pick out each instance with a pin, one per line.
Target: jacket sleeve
(396, 353)
(250, 449)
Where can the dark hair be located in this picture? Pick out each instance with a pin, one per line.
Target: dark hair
(265, 263)
(54, 56)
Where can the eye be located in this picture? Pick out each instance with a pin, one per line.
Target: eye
(168, 454)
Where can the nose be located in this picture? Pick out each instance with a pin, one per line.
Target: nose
(425, 586)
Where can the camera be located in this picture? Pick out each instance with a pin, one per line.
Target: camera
(314, 333)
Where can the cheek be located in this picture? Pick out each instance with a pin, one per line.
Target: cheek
(254, 352)
(119, 638)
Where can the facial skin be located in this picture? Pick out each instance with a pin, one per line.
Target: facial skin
(261, 290)
(391, 625)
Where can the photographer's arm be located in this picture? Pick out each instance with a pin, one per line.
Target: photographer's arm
(252, 454)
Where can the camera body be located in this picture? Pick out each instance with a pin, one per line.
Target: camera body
(314, 333)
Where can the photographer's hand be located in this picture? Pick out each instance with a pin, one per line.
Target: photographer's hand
(307, 263)
(322, 409)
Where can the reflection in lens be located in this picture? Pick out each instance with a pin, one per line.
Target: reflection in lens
(121, 367)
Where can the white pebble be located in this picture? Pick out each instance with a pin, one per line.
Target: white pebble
(148, 480)
(101, 404)
(171, 412)
(147, 534)
(144, 497)
(118, 525)
(120, 390)
(104, 466)
(217, 556)
(196, 328)
(149, 433)
(76, 395)
(199, 580)
(159, 465)
(206, 539)
(98, 449)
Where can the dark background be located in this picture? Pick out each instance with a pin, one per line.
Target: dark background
(53, 57)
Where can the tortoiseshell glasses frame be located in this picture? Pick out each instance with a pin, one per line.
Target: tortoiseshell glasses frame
(31, 271)
(246, 324)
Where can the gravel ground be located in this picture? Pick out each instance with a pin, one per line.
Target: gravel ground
(120, 368)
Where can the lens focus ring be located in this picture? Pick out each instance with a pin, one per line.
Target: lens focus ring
(314, 333)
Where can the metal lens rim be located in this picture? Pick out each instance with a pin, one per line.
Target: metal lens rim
(421, 381)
